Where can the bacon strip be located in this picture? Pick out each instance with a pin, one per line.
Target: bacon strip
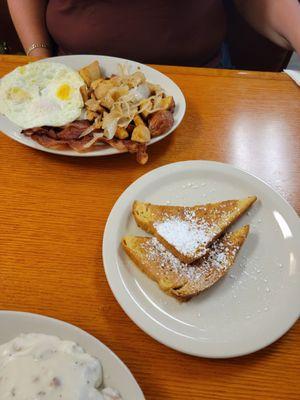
(62, 137)
(128, 145)
(70, 136)
(48, 141)
(80, 145)
(43, 130)
(73, 130)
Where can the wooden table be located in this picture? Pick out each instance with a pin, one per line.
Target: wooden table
(54, 209)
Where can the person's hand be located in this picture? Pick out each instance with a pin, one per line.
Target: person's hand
(41, 53)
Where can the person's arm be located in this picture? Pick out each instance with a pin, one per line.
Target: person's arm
(29, 19)
(278, 20)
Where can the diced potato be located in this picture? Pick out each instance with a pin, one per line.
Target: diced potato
(93, 105)
(167, 103)
(141, 134)
(107, 102)
(113, 95)
(90, 73)
(138, 121)
(84, 93)
(117, 92)
(121, 133)
(102, 89)
(85, 76)
(145, 114)
(98, 122)
(96, 83)
(147, 103)
(116, 80)
(91, 115)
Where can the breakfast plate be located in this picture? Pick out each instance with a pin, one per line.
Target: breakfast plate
(115, 373)
(109, 66)
(248, 309)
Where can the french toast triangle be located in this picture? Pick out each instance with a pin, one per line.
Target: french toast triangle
(187, 232)
(178, 279)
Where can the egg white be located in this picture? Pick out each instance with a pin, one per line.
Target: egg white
(41, 93)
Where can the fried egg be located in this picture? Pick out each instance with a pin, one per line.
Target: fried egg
(41, 93)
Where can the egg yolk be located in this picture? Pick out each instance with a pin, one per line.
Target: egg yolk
(63, 92)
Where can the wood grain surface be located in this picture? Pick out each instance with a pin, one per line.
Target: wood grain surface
(54, 209)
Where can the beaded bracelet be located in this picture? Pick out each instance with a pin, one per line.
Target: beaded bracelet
(37, 46)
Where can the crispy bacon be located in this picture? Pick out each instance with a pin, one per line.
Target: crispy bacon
(48, 141)
(115, 143)
(62, 137)
(68, 132)
(80, 145)
(43, 130)
(127, 145)
(70, 136)
(73, 130)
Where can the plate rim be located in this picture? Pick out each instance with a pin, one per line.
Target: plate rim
(81, 331)
(110, 151)
(130, 311)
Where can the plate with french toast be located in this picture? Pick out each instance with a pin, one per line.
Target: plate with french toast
(204, 258)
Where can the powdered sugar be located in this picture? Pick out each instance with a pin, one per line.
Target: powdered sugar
(219, 259)
(186, 234)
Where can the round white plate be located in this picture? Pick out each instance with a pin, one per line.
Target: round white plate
(109, 65)
(115, 373)
(253, 305)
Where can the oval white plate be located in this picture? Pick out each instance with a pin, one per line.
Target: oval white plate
(257, 301)
(109, 65)
(116, 374)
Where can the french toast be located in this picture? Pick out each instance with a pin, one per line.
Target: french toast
(187, 232)
(178, 279)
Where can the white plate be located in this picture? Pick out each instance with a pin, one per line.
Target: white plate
(109, 65)
(115, 373)
(257, 301)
